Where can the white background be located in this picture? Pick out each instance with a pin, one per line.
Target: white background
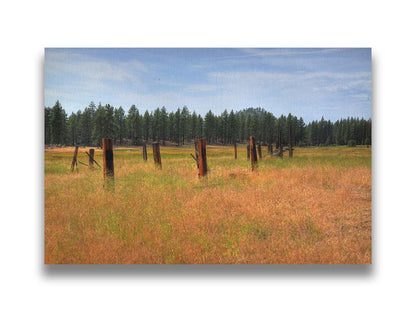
(27, 27)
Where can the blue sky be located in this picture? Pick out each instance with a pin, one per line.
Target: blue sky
(309, 83)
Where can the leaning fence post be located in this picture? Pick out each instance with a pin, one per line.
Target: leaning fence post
(108, 163)
(74, 159)
(259, 150)
(156, 154)
(235, 150)
(253, 154)
(91, 158)
(202, 158)
(144, 152)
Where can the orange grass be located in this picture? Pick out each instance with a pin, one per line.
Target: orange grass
(313, 208)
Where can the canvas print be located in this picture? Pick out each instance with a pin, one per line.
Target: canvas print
(207, 156)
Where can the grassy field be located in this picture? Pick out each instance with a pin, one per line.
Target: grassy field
(312, 208)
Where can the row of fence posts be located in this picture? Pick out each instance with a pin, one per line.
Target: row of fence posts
(200, 156)
(108, 159)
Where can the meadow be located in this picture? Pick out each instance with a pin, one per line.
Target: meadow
(314, 208)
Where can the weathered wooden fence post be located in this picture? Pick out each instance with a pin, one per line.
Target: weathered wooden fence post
(156, 154)
(290, 141)
(248, 151)
(74, 159)
(144, 152)
(235, 150)
(202, 158)
(259, 150)
(253, 153)
(91, 158)
(108, 163)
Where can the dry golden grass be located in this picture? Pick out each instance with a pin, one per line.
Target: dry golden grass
(313, 208)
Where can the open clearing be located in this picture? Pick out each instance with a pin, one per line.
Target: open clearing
(312, 208)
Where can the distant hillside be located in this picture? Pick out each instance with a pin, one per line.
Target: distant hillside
(259, 112)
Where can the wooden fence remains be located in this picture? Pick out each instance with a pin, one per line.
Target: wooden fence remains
(248, 151)
(108, 163)
(259, 150)
(144, 152)
(74, 159)
(235, 150)
(156, 154)
(253, 154)
(196, 155)
(202, 158)
(91, 158)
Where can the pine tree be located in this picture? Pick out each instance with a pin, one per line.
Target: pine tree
(199, 127)
(171, 127)
(58, 124)
(163, 125)
(156, 125)
(243, 127)
(177, 127)
(109, 130)
(301, 132)
(86, 124)
(48, 113)
(184, 124)
(233, 127)
(193, 126)
(223, 127)
(134, 125)
(209, 127)
(120, 120)
(146, 125)
(74, 122)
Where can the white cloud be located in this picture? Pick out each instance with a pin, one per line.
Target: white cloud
(257, 81)
(92, 70)
(287, 52)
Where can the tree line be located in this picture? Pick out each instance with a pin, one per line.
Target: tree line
(95, 122)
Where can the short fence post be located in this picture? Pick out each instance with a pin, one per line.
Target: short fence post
(248, 151)
(156, 154)
(202, 158)
(253, 154)
(108, 163)
(235, 150)
(74, 159)
(91, 158)
(259, 150)
(144, 152)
